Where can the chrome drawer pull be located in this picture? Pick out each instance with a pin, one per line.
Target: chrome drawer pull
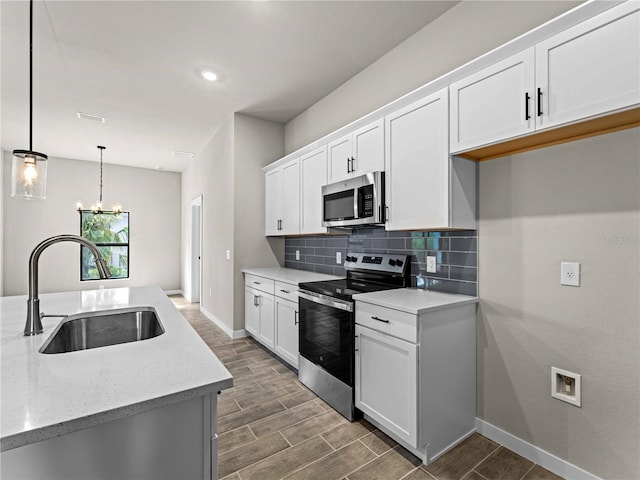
(380, 319)
(257, 283)
(284, 291)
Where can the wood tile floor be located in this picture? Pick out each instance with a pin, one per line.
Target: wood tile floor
(272, 427)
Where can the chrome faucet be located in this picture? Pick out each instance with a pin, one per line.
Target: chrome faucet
(34, 322)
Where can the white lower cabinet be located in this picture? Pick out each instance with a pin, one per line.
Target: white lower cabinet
(386, 380)
(258, 309)
(286, 344)
(271, 315)
(415, 375)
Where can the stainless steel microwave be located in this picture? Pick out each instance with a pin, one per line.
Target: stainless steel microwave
(354, 201)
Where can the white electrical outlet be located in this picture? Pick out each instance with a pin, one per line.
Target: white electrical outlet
(210, 291)
(570, 274)
(228, 254)
(566, 386)
(431, 264)
(297, 254)
(338, 257)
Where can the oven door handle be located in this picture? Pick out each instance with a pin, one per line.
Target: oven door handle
(325, 300)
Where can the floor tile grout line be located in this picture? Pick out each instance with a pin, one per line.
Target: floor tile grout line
(367, 447)
(527, 472)
(476, 472)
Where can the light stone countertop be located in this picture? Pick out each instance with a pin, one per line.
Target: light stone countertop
(289, 275)
(414, 300)
(45, 396)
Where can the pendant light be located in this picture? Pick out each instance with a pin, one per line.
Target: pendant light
(97, 207)
(29, 168)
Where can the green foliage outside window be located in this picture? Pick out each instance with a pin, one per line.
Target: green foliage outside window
(110, 233)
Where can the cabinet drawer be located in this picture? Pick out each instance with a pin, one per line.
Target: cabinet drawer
(265, 285)
(386, 320)
(286, 291)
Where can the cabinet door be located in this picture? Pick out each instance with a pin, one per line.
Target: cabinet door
(386, 382)
(590, 69)
(286, 341)
(266, 333)
(494, 104)
(313, 175)
(251, 311)
(273, 201)
(340, 152)
(291, 199)
(368, 148)
(417, 165)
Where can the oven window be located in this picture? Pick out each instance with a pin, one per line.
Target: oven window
(326, 338)
(339, 206)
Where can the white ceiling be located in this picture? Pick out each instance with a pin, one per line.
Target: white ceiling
(137, 64)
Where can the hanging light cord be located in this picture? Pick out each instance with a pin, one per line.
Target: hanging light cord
(31, 76)
(101, 150)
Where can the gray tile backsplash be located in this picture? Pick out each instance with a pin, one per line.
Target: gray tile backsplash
(456, 253)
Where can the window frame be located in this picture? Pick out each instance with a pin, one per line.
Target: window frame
(107, 244)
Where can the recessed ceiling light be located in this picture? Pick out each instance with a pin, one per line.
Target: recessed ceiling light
(178, 153)
(209, 75)
(88, 116)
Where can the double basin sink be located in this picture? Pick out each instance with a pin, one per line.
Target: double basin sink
(100, 329)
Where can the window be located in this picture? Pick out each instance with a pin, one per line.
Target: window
(110, 232)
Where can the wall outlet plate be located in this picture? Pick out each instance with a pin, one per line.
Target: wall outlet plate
(566, 386)
(297, 254)
(570, 274)
(432, 265)
(338, 257)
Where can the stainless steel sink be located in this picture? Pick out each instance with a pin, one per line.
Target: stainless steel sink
(104, 328)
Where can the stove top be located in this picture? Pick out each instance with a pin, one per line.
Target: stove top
(365, 273)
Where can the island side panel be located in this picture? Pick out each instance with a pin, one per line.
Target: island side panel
(167, 443)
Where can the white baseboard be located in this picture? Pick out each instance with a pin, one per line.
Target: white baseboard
(173, 292)
(531, 452)
(225, 328)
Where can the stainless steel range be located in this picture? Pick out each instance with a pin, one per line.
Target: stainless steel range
(327, 324)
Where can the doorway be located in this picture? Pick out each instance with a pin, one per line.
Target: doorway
(196, 249)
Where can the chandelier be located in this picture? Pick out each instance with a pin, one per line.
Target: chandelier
(96, 208)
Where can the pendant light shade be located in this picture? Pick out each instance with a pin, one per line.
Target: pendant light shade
(29, 174)
(29, 168)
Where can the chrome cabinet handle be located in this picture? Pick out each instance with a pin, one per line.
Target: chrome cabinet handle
(356, 342)
(353, 164)
(257, 283)
(284, 291)
(380, 319)
(256, 300)
(295, 318)
(526, 106)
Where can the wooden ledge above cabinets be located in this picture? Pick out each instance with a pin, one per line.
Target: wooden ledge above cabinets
(569, 133)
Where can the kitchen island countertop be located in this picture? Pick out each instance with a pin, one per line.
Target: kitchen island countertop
(48, 395)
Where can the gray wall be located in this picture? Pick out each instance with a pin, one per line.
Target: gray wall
(151, 197)
(576, 202)
(463, 33)
(228, 174)
(256, 143)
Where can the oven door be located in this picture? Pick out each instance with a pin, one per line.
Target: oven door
(327, 334)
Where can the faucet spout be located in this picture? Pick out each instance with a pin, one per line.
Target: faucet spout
(34, 323)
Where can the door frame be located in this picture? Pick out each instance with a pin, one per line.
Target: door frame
(196, 244)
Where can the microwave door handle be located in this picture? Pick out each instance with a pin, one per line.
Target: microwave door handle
(356, 199)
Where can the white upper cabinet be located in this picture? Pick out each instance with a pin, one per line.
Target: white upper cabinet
(494, 103)
(282, 199)
(359, 152)
(425, 189)
(590, 69)
(313, 175)
(585, 71)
